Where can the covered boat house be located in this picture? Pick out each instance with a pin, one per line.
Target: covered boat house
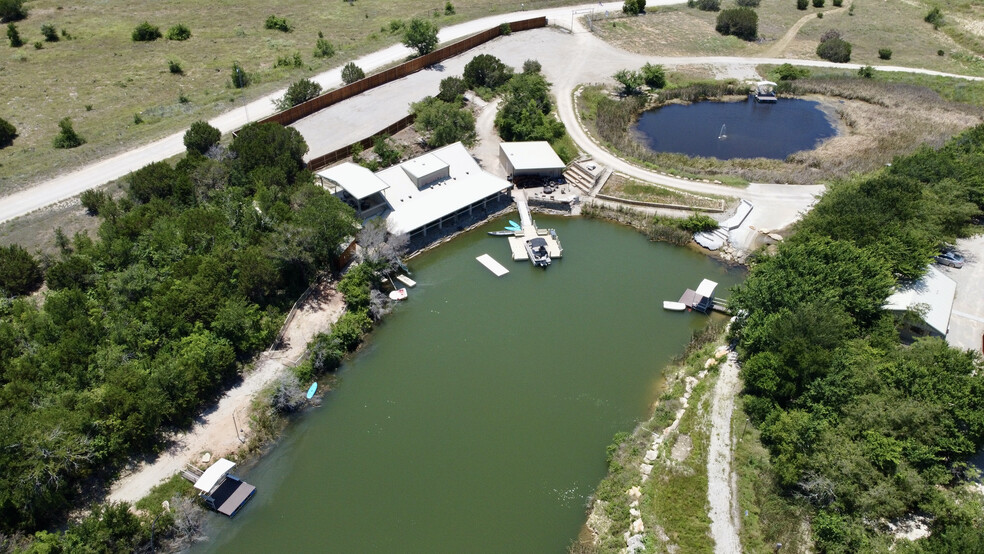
(530, 159)
(929, 298)
(220, 490)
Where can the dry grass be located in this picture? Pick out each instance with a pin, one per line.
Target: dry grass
(104, 69)
(681, 31)
(621, 186)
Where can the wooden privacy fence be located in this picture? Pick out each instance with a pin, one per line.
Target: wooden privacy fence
(305, 109)
(315, 164)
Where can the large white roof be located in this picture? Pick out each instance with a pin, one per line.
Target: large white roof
(934, 292)
(531, 155)
(423, 166)
(413, 208)
(355, 179)
(213, 475)
(706, 288)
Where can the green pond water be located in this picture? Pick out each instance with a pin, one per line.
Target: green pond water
(475, 418)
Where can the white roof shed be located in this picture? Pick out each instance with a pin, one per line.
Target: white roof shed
(213, 475)
(530, 158)
(932, 296)
(358, 181)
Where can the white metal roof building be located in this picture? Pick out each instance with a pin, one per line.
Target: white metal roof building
(418, 195)
(932, 297)
(530, 158)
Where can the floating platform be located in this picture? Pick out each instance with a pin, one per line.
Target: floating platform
(495, 267)
(517, 244)
(406, 280)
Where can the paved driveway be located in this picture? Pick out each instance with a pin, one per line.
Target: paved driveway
(967, 317)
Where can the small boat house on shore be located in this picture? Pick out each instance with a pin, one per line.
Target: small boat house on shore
(765, 91)
(223, 492)
(701, 299)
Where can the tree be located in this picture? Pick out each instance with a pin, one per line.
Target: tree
(240, 79)
(67, 137)
(49, 33)
(653, 76)
(526, 108)
(486, 70)
(179, 32)
(452, 89)
(270, 145)
(631, 81)
(748, 3)
(634, 7)
(12, 10)
(14, 36)
(20, 273)
(159, 180)
(443, 123)
(818, 3)
(885, 53)
(802, 4)
(421, 35)
(145, 32)
(532, 66)
(739, 22)
(201, 137)
(323, 48)
(789, 72)
(297, 93)
(708, 5)
(352, 73)
(7, 133)
(278, 24)
(866, 72)
(835, 50)
(934, 17)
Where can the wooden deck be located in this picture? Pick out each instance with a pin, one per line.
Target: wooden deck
(231, 495)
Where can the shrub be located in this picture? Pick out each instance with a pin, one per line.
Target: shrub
(505, 29)
(12, 10)
(421, 35)
(634, 7)
(449, 9)
(145, 32)
(835, 50)
(940, 53)
(739, 22)
(709, 5)
(20, 273)
(137, 120)
(818, 3)
(174, 67)
(293, 60)
(298, 92)
(698, 223)
(323, 48)
(240, 79)
(452, 89)
(93, 200)
(352, 73)
(838, 3)
(67, 137)
(866, 72)
(789, 72)
(653, 76)
(201, 137)
(396, 25)
(934, 17)
(819, 15)
(14, 36)
(748, 3)
(532, 66)
(486, 70)
(7, 133)
(49, 33)
(885, 53)
(829, 34)
(802, 4)
(277, 24)
(179, 32)
(38, 45)
(443, 123)
(631, 81)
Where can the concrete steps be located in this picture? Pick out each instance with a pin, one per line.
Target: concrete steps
(580, 177)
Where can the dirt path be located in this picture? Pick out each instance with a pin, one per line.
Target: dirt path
(224, 428)
(486, 149)
(777, 49)
(721, 479)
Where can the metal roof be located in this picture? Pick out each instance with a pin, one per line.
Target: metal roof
(355, 179)
(213, 475)
(531, 155)
(934, 293)
(706, 288)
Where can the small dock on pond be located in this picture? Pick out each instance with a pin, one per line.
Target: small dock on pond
(701, 300)
(518, 242)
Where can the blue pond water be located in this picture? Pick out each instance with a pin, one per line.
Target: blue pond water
(752, 130)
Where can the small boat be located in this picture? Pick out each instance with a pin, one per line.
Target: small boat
(506, 233)
(312, 390)
(398, 294)
(514, 224)
(537, 250)
(674, 306)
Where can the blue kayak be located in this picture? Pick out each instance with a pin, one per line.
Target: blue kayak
(312, 390)
(514, 224)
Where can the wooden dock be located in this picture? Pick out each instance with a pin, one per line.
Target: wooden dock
(517, 243)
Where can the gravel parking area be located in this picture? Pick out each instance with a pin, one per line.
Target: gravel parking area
(967, 317)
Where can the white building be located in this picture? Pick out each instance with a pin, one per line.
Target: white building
(931, 297)
(418, 196)
(535, 158)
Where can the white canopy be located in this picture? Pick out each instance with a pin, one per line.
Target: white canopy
(706, 288)
(213, 475)
(355, 179)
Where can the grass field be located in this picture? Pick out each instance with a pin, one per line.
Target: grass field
(899, 26)
(630, 189)
(101, 78)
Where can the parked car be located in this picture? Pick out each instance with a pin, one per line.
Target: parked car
(950, 258)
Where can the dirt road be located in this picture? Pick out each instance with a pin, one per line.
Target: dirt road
(721, 478)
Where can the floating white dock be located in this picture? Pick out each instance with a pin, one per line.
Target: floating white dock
(406, 280)
(492, 265)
